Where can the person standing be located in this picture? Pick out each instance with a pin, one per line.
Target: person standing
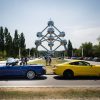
(25, 60)
(49, 60)
(46, 60)
(22, 61)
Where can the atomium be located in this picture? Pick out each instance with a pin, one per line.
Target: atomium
(51, 44)
(50, 23)
(37, 42)
(51, 37)
(62, 34)
(63, 42)
(39, 34)
(50, 30)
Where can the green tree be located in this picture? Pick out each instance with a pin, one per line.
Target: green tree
(98, 39)
(96, 48)
(70, 48)
(77, 52)
(8, 44)
(5, 39)
(1, 40)
(24, 53)
(33, 52)
(16, 44)
(87, 49)
(22, 44)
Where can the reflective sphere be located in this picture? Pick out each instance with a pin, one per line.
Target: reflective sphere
(37, 42)
(51, 38)
(63, 42)
(50, 23)
(39, 34)
(50, 44)
(62, 34)
(50, 30)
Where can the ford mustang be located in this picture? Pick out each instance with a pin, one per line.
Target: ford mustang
(76, 68)
(29, 71)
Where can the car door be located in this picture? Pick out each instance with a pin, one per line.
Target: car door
(3, 71)
(96, 68)
(84, 69)
(13, 70)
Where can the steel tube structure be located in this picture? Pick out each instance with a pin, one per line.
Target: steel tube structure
(51, 37)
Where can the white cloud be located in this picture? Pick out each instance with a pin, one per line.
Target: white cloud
(85, 34)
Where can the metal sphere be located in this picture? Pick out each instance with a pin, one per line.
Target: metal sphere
(62, 34)
(50, 30)
(37, 42)
(50, 38)
(39, 34)
(50, 23)
(63, 42)
(51, 44)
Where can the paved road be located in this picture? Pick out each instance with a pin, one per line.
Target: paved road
(52, 81)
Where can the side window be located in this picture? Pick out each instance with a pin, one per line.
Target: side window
(81, 63)
(87, 64)
(74, 63)
(84, 63)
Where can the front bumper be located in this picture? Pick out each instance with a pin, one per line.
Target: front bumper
(43, 72)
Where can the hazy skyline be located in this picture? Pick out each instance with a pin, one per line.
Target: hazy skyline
(79, 19)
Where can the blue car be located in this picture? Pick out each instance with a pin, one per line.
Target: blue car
(28, 71)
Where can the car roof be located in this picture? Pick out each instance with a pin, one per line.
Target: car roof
(75, 61)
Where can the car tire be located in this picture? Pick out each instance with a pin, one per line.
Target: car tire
(68, 74)
(30, 75)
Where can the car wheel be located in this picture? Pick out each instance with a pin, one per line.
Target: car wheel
(30, 75)
(68, 74)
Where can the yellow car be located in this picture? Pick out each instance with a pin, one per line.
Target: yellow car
(76, 68)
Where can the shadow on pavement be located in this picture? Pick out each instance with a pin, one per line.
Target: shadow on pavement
(78, 78)
(21, 78)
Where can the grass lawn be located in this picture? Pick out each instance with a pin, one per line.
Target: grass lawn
(50, 93)
(48, 68)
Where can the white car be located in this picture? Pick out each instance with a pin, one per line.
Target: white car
(12, 61)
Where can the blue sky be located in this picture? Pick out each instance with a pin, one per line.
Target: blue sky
(79, 19)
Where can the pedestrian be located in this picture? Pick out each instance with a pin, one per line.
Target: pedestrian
(22, 61)
(49, 60)
(25, 60)
(46, 60)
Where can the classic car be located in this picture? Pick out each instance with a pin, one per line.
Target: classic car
(76, 68)
(29, 71)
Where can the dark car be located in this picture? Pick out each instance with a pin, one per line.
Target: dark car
(90, 58)
(97, 59)
(28, 71)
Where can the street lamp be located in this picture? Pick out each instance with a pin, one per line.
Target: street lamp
(82, 51)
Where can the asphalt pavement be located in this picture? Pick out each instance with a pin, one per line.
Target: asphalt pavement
(51, 81)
